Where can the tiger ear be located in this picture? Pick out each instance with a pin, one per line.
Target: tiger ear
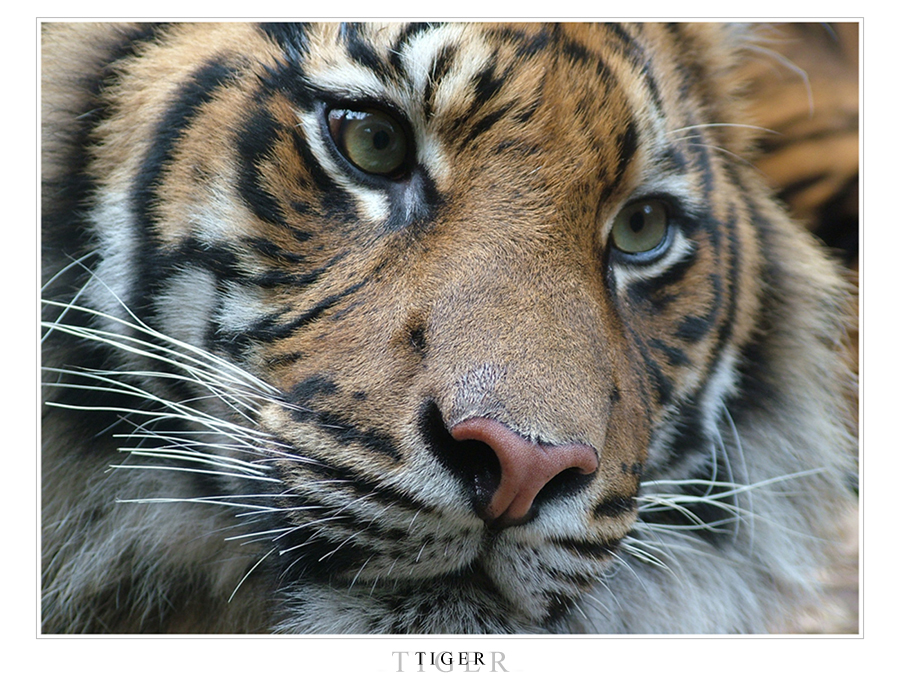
(799, 84)
(781, 80)
(716, 55)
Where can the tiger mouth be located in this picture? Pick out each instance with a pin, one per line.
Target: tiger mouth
(495, 556)
(534, 584)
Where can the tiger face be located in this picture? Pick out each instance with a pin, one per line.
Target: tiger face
(454, 328)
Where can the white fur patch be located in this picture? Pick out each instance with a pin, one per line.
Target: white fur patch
(110, 290)
(624, 275)
(186, 304)
(240, 307)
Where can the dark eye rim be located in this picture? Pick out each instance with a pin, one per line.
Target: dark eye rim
(673, 215)
(399, 175)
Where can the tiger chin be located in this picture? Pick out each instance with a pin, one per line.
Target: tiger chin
(418, 328)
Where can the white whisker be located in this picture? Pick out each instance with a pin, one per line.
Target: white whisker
(247, 575)
(701, 126)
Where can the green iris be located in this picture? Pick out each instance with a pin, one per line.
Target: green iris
(641, 227)
(371, 140)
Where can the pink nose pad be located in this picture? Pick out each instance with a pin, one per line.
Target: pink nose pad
(525, 467)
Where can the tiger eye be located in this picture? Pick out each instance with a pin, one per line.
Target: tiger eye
(641, 227)
(371, 140)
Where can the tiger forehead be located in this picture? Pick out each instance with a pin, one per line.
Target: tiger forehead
(435, 75)
(459, 67)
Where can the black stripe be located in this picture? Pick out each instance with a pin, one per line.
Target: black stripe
(590, 550)
(529, 110)
(487, 85)
(224, 264)
(707, 179)
(255, 141)
(689, 70)
(691, 435)
(379, 489)
(290, 36)
(284, 278)
(826, 131)
(279, 278)
(706, 222)
(339, 428)
(267, 330)
(359, 50)
(636, 56)
(660, 382)
(694, 328)
(559, 607)
(269, 249)
(838, 220)
(439, 69)
(627, 144)
(288, 77)
(534, 44)
(757, 389)
(673, 159)
(325, 304)
(219, 260)
(311, 387)
(726, 328)
(572, 50)
(198, 90)
(676, 272)
(800, 185)
(674, 355)
(306, 555)
(649, 288)
(692, 152)
(712, 521)
(615, 507)
(362, 486)
(484, 124)
(690, 430)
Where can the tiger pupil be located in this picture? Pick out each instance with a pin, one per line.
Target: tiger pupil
(381, 139)
(637, 221)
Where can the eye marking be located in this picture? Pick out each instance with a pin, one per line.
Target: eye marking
(371, 140)
(641, 232)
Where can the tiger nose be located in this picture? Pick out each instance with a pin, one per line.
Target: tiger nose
(525, 467)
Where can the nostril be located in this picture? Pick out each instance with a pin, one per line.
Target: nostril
(479, 467)
(473, 462)
(566, 483)
(526, 468)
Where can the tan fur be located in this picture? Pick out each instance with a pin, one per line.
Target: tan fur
(363, 308)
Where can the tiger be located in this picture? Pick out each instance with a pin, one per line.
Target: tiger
(428, 328)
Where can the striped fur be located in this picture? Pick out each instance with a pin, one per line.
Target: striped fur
(255, 351)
